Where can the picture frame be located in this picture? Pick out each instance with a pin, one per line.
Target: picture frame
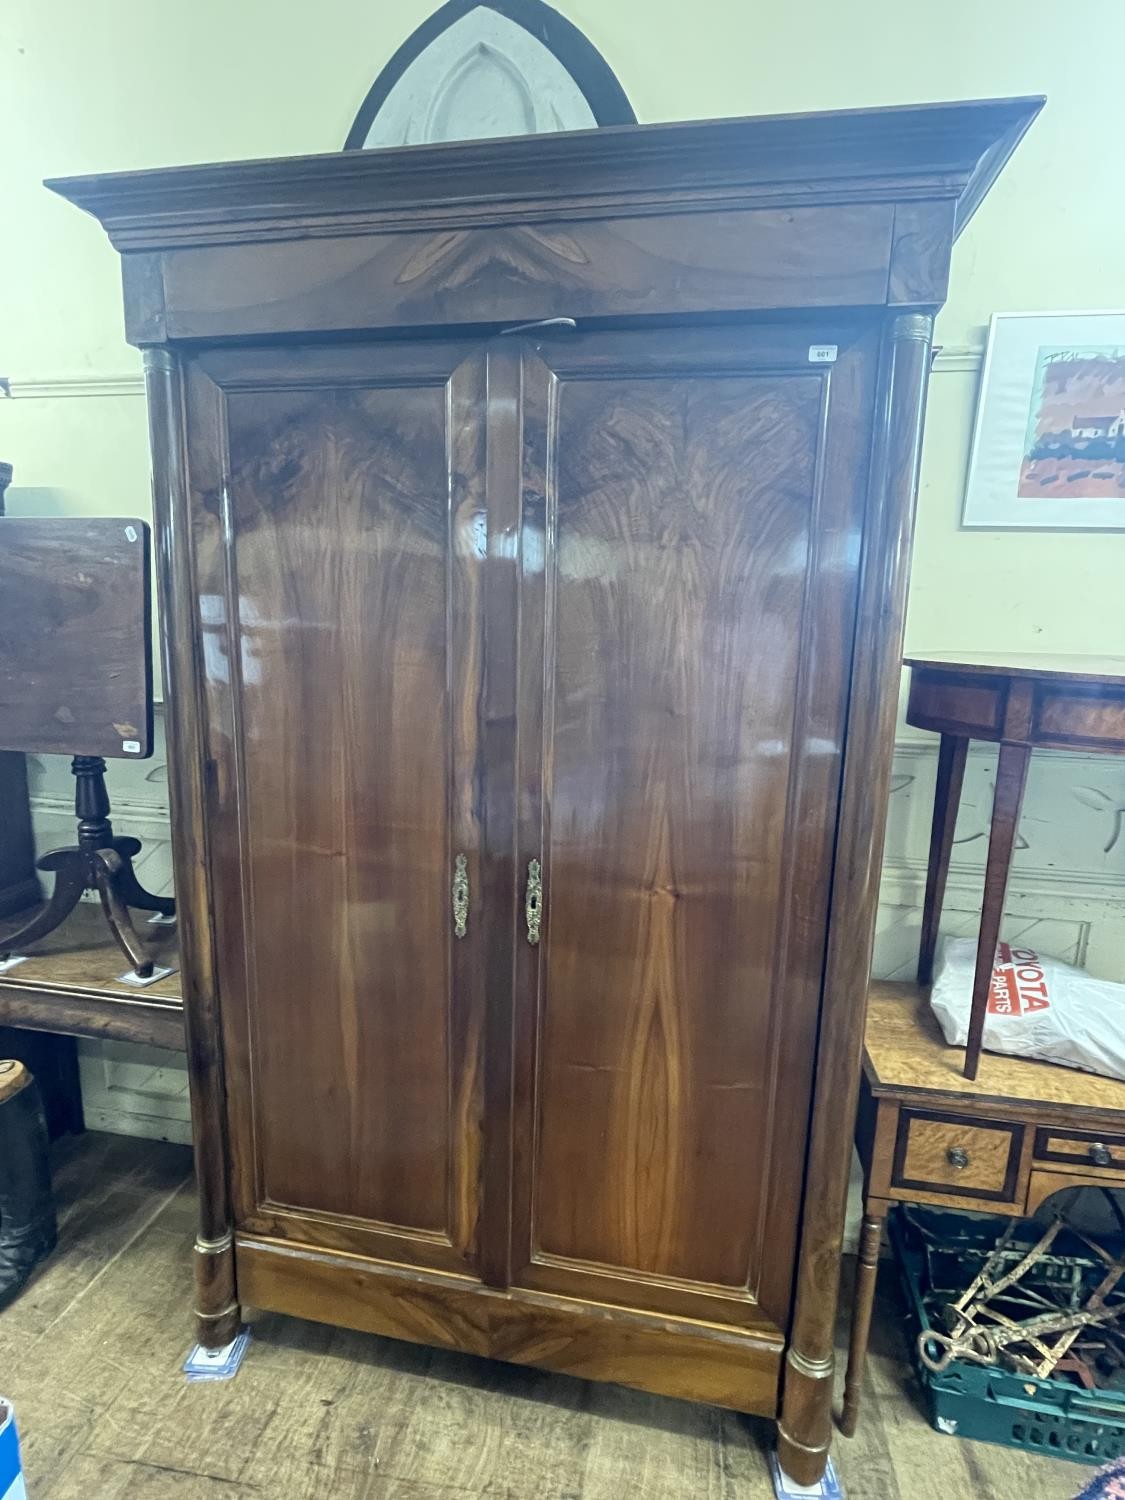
(1048, 450)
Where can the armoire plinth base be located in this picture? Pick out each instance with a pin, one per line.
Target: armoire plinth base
(668, 1356)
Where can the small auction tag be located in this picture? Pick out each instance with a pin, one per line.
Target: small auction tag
(139, 982)
(784, 1488)
(217, 1364)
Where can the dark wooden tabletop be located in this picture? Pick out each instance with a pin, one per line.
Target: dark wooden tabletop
(75, 639)
(906, 1055)
(1109, 669)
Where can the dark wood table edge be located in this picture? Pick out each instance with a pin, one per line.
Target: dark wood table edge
(71, 1010)
(1052, 1112)
(973, 669)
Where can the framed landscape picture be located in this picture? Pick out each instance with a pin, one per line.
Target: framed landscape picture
(1049, 443)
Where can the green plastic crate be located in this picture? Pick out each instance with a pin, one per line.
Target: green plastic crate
(1054, 1417)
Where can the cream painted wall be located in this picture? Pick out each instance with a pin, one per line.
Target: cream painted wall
(129, 83)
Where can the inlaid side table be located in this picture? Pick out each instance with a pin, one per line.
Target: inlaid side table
(1021, 703)
(1002, 1144)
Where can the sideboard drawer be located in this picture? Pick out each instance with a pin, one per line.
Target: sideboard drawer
(971, 1158)
(1079, 1148)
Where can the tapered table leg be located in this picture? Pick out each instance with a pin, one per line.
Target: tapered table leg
(1011, 778)
(947, 798)
(866, 1275)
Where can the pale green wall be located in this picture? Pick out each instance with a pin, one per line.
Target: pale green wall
(135, 83)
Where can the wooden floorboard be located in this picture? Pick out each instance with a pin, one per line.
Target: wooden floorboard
(90, 1354)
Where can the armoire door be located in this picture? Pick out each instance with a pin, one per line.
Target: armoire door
(339, 534)
(690, 507)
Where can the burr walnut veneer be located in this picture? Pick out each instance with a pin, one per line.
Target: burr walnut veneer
(531, 697)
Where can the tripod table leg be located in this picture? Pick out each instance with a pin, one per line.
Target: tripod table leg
(133, 893)
(107, 866)
(70, 882)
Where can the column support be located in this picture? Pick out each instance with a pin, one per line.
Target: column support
(805, 1424)
(217, 1312)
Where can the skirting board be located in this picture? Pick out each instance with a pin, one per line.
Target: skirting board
(132, 1090)
(148, 1127)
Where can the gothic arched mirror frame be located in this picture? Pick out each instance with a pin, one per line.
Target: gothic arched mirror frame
(582, 66)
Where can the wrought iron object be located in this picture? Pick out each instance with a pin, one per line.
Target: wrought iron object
(980, 1331)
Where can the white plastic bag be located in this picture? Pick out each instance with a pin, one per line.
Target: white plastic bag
(1037, 1007)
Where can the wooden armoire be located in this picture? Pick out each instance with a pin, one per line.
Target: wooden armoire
(533, 524)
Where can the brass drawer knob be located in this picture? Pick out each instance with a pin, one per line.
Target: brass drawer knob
(1101, 1155)
(957, 1157)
